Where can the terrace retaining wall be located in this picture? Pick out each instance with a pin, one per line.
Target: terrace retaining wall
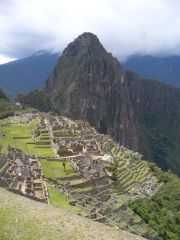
(4, 170)
(24, 195)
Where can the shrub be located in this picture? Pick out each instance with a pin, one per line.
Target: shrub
(64, 152)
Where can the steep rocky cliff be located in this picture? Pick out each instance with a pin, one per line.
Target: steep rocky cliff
(144, 115)
(88, 83)
(157, 107)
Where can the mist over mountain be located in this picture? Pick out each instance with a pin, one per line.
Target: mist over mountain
(26, 74)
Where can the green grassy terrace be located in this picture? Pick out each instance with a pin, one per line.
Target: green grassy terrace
(54, 169)
(59, 200)
(21, 136)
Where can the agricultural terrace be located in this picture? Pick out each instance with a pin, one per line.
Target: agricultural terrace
(55, 169)
(58, 199)
(22, 136)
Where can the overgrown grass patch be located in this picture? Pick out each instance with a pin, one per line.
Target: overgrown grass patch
(55, 169)
(65, 133)
(20, 136)
(14, 228)
(58, 199)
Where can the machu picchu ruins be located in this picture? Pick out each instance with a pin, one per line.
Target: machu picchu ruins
(23, 174)
(94, 160)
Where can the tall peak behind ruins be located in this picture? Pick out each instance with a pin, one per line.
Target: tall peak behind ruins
(86, 40)
(88, 83)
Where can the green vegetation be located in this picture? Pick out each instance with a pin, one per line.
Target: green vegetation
(162, 212)
(20, 136)
(113, 169)
(3, 166)
(63, 152)
(84, 189)
(2, 94)
(126, 177)
(29, 110)
(14, 130)
(58, 199)
(55, 169)
(161, 148)
(9, 216)
(6, 107)
(22, 218)
(36, 99)
(159, 139)
(2, 162)
(68, 133)
(40, 150)
(43, 142)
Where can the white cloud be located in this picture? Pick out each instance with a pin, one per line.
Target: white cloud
(4, 59)
(123, 26)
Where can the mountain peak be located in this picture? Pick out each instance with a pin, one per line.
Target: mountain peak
(84, 43)
(84, 84)
(87, 37)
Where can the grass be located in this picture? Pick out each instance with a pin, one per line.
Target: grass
(22, 218)
(10, 132)
(83, 189)
(58, 199)
(24, 130)
(10, 216)
(6, 108)
(40, 150)
(54, 169)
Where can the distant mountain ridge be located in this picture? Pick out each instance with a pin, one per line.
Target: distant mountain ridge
(164, 69)
(27, 74)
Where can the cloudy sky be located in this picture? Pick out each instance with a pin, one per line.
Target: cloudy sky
(124, 27)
